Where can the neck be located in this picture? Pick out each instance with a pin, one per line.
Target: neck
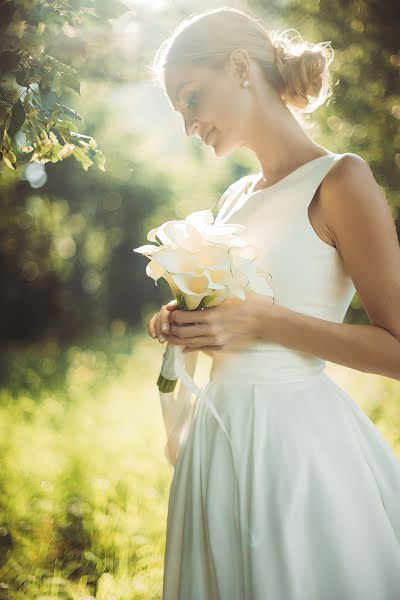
(281, 144)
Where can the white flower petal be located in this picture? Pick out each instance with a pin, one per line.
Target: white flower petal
(151, 236)
(183, 235)
(190, 284)
(147, 249)
(213, 280)
(240, 279)
(248, 252)
(227, 240)
(212, 256)
(246, 267)
(200, 219)
(154, 270)
(159, 232)
(169, 279)
(175, 260)
(260, 284)
(216, 298)
(192, 302)
(224, 234)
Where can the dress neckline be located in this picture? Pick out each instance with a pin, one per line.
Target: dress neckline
(258, 176)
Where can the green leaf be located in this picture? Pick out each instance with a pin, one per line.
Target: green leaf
(99, 159)
(80, 136)
(82, 157)
(69, 111)
(71, 81)
(48, 97)
(9, 158)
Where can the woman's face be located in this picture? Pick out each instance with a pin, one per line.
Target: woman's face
(211, 101)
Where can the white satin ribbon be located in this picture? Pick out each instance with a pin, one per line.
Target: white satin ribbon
(178, 413)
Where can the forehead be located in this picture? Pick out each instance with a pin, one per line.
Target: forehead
(175, 78)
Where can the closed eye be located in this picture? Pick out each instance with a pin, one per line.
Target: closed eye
(190, 103)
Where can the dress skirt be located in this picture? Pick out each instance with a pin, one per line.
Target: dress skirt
(318, 491)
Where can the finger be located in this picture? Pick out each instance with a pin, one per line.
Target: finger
(151, 326)
(160, 335)
(187, 331)
(164, 319)
(190, 316)
(172, 305)
(191, 342)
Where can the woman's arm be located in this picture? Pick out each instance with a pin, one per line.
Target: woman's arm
(368, 348)
(362, 225)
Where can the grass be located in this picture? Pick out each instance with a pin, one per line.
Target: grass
(83, 480)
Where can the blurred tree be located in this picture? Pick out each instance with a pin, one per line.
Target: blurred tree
(66, 254)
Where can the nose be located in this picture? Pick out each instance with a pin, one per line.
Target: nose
(192, 127)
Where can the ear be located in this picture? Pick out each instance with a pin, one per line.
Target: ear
(239, 62)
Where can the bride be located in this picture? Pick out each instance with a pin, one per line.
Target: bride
(318, 486)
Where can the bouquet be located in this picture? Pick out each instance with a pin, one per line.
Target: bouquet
(204, 263)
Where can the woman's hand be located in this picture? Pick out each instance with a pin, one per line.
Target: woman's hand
(232, 324)
(160, 320)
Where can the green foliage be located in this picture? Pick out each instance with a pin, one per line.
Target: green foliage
(32, 80)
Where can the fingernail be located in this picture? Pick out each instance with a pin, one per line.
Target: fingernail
(164, 327)
(161, 338)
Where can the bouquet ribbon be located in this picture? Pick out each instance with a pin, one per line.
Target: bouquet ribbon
(178, 412)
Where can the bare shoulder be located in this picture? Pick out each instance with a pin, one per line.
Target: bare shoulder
(349, 171)
(358, 214)
(350, 192)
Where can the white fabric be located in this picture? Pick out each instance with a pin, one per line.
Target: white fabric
(318, 486)
(178, 407)
(178, 412)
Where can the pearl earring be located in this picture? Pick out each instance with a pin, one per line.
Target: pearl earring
(245, 83)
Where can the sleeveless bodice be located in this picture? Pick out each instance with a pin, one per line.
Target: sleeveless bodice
(307, 274)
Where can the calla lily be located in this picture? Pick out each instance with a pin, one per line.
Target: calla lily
(202, 262)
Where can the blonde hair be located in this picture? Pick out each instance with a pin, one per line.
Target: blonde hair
(298, 70)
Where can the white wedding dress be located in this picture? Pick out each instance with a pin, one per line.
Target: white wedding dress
(318, 487)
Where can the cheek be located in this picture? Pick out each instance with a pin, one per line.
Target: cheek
(232, 107)
(239, 108)
(215, 106)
